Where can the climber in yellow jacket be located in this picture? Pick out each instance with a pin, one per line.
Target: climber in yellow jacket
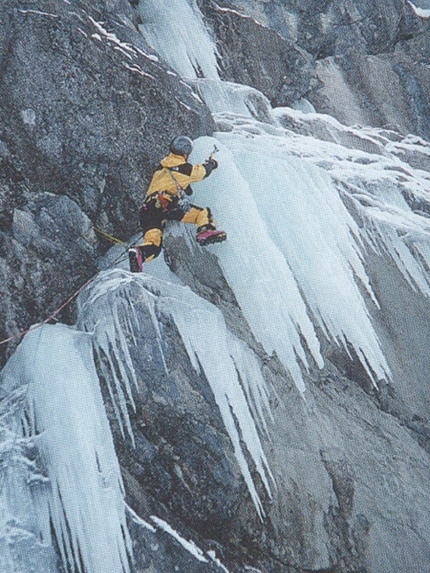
(167, 200)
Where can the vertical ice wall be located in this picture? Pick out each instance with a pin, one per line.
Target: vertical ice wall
(293, 251)
(293, 254)
(175, 29)
(81, 496)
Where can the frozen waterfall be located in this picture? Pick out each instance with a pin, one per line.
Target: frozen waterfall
(176, 30)
(301, 213)
(77, 491)
(295, 257)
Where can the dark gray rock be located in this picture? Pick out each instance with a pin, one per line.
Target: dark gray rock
(48, 241)
(85, 109)
(332, 27)
(385, 91)
(254, 55)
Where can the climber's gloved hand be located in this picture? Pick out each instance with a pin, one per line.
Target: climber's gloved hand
(210, 165)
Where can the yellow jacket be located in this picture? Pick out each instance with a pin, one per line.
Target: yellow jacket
(173, 174)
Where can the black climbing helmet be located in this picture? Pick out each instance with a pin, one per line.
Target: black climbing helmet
(181, 145)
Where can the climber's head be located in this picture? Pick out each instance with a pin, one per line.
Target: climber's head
(181, 145)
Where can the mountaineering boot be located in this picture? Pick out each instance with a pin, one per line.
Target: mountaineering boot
(208, 236)
(136, 259)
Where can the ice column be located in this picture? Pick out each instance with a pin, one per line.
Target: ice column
(82, 498)
(176, 30)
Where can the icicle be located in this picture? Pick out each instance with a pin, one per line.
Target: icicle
(113, 325)
(83, 498)
(231, 369)
(221, 369)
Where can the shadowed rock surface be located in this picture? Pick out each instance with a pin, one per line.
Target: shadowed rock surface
(362, 62)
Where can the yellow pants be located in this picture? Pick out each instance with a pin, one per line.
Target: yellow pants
(153, 218)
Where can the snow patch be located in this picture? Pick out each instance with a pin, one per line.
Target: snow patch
(139, 521)
(420, 11)
(212, 555)
(111, 37)
(137, 69)
(39, 13)
(189, 546)
(29, 117)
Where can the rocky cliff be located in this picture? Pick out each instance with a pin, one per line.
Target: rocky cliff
(364, 63)
(335, 479)
(85, 108)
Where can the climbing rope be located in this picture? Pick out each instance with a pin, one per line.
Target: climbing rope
(52, 316)
(75, 294)
(110, 238)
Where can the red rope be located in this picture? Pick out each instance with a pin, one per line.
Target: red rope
(52, 316)
(59, 309)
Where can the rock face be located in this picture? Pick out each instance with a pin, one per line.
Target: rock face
(388, 90)
(251, 54)
(85, 107)
(361, 62)
(81, 96)
(329, 28)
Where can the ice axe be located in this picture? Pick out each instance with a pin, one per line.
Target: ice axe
(215, 150)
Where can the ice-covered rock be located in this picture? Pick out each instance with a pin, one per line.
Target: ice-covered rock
(259, 405)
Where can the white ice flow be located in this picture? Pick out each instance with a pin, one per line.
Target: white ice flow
(176, 30)
(79, 490)
(293, 256)
(293, 253)
(82, 495)
(111, 309)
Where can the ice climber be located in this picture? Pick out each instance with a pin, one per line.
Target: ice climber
(167, 200)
